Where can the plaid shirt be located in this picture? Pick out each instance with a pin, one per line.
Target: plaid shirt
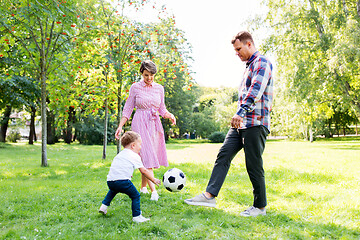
(256, 92)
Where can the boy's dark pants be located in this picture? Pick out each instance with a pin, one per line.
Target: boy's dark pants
(127, 187)
(252, 140)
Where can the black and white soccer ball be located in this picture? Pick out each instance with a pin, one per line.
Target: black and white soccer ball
(174, 180)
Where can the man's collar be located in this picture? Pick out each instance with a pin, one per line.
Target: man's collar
(252, 58)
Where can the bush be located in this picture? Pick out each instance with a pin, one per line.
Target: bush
(90, 130)
(13, 136)
(217, 137)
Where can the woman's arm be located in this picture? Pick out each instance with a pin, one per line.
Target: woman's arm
(119, 129)
(171, 117)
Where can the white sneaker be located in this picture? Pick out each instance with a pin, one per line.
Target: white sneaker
(103, 209)
(253, 212)
(201, 200)
(154, 196)
(144, 190)
(140, 219)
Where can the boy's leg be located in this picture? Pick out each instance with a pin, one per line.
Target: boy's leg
(111, 193)
(254, 145)
(231, 146)
(130, 190)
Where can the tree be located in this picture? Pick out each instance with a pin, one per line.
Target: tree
(44, 29)
(316, 47)
(16, 91)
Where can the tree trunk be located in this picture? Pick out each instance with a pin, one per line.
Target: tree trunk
(311, 134)
(44, 162)
(32, 134)
(345, 9)
(119, 108)
(106, 119)
(358, 8)
(51, 136)
(319, 26)
(105, 129)
(5, 123)
(68, 130)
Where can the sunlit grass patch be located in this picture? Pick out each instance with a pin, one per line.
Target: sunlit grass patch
(313, 193)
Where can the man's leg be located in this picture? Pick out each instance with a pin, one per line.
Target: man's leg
(254, 145)
(231, 146)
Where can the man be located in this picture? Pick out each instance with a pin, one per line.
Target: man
(249, 128)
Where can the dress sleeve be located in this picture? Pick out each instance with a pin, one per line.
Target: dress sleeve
(130, 103)
(162, 108)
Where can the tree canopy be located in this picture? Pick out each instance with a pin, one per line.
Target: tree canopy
(316, 44)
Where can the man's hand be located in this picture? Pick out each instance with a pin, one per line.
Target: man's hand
(236, 121)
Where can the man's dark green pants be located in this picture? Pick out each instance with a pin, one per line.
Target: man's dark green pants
(252, 140)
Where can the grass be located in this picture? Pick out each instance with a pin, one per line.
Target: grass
(313, 193)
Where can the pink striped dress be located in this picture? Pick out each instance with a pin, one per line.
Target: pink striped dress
(149, 103)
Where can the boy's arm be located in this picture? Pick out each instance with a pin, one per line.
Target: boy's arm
(146, 173)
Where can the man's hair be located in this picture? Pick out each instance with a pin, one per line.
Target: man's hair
(243, 37)
(149, 66)
(129, 137)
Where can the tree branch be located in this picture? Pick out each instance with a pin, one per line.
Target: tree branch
(21, 42)
(50, 38)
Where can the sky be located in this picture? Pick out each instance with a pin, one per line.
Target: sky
(209, 27)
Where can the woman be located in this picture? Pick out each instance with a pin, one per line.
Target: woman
(148, 99)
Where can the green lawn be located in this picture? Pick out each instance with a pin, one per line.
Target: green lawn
(313, 193)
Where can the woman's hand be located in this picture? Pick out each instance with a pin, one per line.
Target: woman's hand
(172, 118)
(118, 133)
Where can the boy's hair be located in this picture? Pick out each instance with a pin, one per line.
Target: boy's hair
(243, 37)
(128, 138)
(149, 66)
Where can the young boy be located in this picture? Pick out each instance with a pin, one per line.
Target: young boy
(121, 170)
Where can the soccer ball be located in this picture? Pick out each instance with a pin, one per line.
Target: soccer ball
(174, 180)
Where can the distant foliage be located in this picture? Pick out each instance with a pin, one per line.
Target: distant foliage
(217, 137)
(14, 136)
(90, 130)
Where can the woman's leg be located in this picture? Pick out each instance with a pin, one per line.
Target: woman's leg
(151, 184)
(144, 181)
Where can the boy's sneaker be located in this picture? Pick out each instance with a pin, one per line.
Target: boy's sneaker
(103, 209)
(144, 190)
(253, 212)
(201, 200)
(154, 196)
(140, 219)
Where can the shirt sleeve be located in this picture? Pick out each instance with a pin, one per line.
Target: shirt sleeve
(162, 108)
(259, 80)
(137, 161)
(130, 103)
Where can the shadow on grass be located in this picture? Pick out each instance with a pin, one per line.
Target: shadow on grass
(290, 175)
(237, 187)
(61, 202)
(339, 139)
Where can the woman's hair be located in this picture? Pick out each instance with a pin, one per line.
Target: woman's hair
(129, 137)
(149, 66)
(243, 37)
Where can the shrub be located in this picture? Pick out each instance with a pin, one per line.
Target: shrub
(217, 137)
(90, 130)
(13, 136)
